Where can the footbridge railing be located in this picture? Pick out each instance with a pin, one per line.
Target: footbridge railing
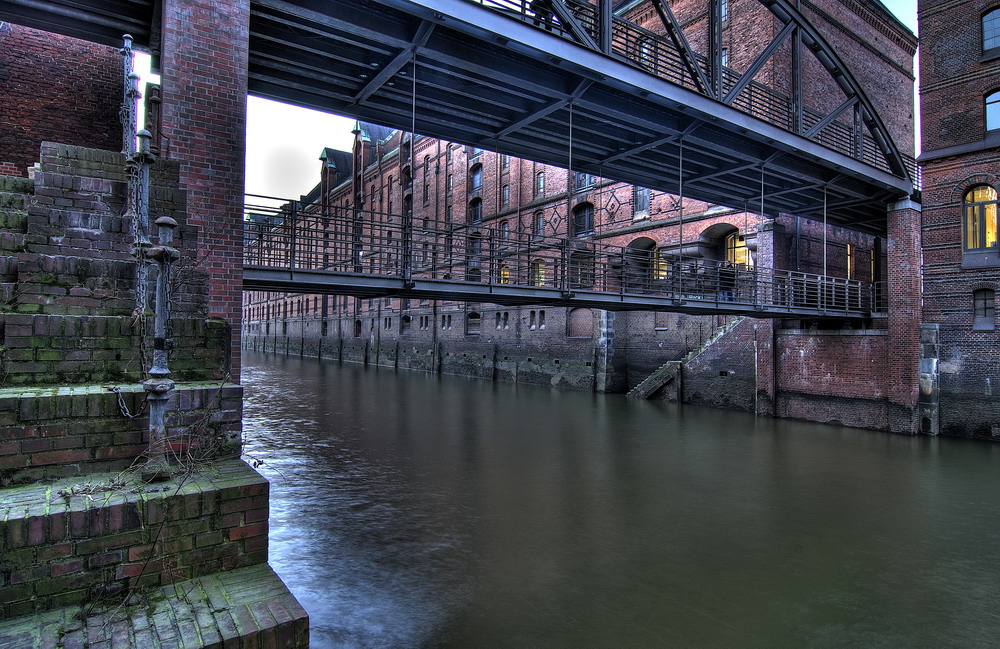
(328, 249)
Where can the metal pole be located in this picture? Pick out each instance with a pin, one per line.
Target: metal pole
(159, 388)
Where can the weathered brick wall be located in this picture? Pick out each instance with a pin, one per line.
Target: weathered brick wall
(48, 433)
(205, 50)
(42, 99)
(955, 75)
(722, 375)
(833, 376)
(68, 276)
(78, 546)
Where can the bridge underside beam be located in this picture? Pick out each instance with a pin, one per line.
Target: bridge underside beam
(372, 286)
(494, 81)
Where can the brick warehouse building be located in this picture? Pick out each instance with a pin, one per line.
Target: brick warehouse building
(960, 118)
(877, 48)
(821, 371)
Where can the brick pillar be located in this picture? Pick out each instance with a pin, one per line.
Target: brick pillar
(204, 79)
(766, 399)
(903, 290)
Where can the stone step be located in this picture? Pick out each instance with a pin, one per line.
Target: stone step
(73, 542)
(62, 432)
(660, 377)
(247, 607)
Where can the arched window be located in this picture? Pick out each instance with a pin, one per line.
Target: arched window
(473, 322)
(537, 272)
(504, 230)
(991, 30)
(504, 276)
(476, 178)
(984, 310)
(475, 210)
(539, 183)
(736, 249)
(980, 205)
(538, 224)
(993, 111)
(505, 195)
(583, 219)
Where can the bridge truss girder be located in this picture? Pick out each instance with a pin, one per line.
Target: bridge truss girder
(494, 81)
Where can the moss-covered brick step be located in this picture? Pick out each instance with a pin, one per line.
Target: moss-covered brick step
(248, 607)
(74, 542)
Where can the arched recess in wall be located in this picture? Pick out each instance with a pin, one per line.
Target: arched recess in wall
(580, 323)
(638, 269)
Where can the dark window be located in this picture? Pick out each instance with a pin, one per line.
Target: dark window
(993, 111)
(472, 323)
(583, 219)
(505, 195)
(504, 230)
(583, 181)
(984, 310)
(991, 30)
(538, 224)
(640, 199)
(980, 205)
(476, 175)
(475, 210)
(539, 183)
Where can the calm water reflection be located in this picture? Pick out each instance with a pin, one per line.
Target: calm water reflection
(412, 511)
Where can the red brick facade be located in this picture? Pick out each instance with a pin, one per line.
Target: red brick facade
(42, 98)
(959, 154)
(204, 116)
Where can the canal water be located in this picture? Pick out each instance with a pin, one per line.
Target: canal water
(416, 511)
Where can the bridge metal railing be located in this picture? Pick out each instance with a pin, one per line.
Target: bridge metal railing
(346, 241)
(657, 55)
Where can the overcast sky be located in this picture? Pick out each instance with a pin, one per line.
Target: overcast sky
(284, 142)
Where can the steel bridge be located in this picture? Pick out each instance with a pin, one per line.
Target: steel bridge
(575, 84)
(328, 249)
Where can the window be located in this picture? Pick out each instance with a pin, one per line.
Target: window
(850, 261)
(583, 219)
(980, 205)
(476, 175)
(640, 202)
(475, 210)
(504, 230)
(736, 250)
(984, 310)
(583, 181)
(505, 162)
(991, 30)
(538, 224)
(660, 267)
(581, 269)
(537, 272)
(539, 183)
(993, 111)
(504, 277)
(451, 183)
(725, 57)
(724, 11)
(472, 324)
(505, 195)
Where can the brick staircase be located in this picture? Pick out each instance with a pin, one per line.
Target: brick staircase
(80, 533)
(670, 372)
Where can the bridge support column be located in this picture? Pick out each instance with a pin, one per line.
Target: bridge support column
(903, 294)
(765, 359)
(204, 79)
